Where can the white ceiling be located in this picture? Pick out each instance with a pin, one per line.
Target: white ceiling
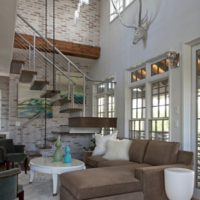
(7, 27)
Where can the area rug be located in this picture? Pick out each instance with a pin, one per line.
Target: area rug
(40, 189)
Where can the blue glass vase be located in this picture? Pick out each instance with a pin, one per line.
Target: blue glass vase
(67, 157)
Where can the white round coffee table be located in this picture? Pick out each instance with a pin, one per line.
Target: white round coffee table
(46, 165)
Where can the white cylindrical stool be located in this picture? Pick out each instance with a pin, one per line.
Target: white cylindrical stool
(179, 183)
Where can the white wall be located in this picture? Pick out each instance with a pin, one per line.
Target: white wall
(7, 24)
(176, 23)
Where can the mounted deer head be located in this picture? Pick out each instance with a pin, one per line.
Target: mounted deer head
(143, 23)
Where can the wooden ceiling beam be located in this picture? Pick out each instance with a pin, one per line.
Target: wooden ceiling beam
(67, 48)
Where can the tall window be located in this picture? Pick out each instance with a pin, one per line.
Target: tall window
(138, 106)
(150, 102)
(198, 119)
(160, 111)
(101, 107)
(120, 6)
(106, 101)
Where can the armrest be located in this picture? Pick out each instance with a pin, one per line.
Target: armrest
(10, 172)
(86, 154)
(152, 179)
(19, 148)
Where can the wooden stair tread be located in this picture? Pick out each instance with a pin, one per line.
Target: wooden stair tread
(60, 101)
(18, 61)
(26, 76)
(70, 110)
(50, 93)
(38, 84)
(16, 65)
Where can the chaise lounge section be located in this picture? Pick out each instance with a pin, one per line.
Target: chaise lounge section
(140, 178)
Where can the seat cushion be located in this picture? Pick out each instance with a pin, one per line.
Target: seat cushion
(161, 153)
(109, 163)
(99, 182)
(93, 161)
(137, 150)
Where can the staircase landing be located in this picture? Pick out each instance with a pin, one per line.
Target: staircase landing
(38, 84)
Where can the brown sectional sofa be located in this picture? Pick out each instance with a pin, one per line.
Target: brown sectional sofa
(140, 178)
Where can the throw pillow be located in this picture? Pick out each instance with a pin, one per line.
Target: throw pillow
(101, 142)
(118, 150)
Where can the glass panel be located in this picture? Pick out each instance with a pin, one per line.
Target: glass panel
(137, 122)
(134, 114)
(127, 2)
(139, 74)
(159, 67)
(166, 125)
(162, 100)
(101, 88)
(155, 112)
(119, 6)
(139, 113)
(153, 126)
(134, 103)
(155, 101)
(160, 111)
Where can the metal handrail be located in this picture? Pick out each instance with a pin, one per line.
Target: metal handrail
(58, 51)
(47, 59)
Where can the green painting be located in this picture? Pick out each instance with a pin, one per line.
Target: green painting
(30, 104)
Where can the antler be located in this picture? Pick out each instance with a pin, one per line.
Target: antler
(143, 23)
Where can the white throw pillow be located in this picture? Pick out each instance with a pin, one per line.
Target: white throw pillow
(118, 150)
(101, 142)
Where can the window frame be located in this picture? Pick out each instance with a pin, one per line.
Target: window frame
(140, 133)
(148, 81)
(124, 6)
(160, 134)
(109, 91)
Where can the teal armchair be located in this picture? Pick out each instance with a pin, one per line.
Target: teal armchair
(9, 188)
(10, 153)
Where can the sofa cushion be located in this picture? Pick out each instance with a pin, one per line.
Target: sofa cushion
(137, 150)
(117, 150)
(101, 141)
(93, 161)
(100, 182)
(110, 163)
(161, 153)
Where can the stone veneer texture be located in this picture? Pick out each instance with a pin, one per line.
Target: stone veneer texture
(85, 31)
